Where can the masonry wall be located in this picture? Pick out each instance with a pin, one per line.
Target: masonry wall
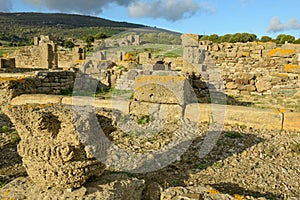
(252, 68)
(257, 68)
(12, 85)
(42, 56)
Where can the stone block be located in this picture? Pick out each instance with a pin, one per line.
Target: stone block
(251, 117)
(110, 187)
(291, 120)
(143, 108)
(190, 40)
(163, 89)
(36, 98)
(170, 113)
(292, 68)
(51, 145)
(262, 85)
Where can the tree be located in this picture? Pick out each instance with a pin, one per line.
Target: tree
(101, 35)
(282, 38)
(90, 39)
(297, 41)
(225, 38)
(266, 39)
(214, 38)
(69, 44)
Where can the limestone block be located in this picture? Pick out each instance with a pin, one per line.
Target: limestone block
(36, 98)
(110, 187)
(231, 85)
(251, 117)
(256, 56)
(291, 121)
(193, 55)
(143, 108)
(50, 146)
(292, 68)
(263, 85)
(190, 40)
(170, 113)
(243, 54)
(163, 89)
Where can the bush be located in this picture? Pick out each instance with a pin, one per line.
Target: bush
(282, 38)
(266, 39)
(297, 41)
(69, 44)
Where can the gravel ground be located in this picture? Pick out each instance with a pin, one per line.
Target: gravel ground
(245, 163)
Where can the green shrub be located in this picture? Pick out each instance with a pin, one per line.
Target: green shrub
(233, 135)
(145, 119)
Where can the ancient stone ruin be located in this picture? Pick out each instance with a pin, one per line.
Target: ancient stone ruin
(50, 147)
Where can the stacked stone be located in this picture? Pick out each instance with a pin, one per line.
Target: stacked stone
(162, 97)
(244, 68)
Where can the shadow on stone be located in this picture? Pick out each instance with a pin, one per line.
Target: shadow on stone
(233, 189)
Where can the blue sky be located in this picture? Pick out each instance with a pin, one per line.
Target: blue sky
(261, 17)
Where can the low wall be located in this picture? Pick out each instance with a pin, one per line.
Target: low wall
(252, 68)
(271, 119)
(53, 82)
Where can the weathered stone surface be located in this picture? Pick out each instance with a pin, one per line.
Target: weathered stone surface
(193, 193)
(291, 121)
(190, 40)
(231, 85)
(167, 112)
(144, 108)
(110, 187)
(163, 89)
(262, 85)
(193, 55)
(251, 117)
(50, 146)
(36, 98)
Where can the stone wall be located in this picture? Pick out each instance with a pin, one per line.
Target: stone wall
(7, 63)
(42, 55)
(12, 85)
(126, 79)
(130, 40)
(69, 58)
(251, 68)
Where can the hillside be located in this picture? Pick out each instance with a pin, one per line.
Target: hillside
(22, 27)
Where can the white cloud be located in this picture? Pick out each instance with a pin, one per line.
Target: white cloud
(90, 7)
(277, 26)
(5, 5)
(171, 10)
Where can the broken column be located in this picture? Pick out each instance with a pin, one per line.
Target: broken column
(50, 145)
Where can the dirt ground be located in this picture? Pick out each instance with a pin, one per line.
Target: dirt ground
(244, 162)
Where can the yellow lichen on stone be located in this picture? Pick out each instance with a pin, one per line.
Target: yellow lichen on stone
(280, 110)
(279, 52)
(18, 79)
(292, 68)
(239, 197)
(213, 192)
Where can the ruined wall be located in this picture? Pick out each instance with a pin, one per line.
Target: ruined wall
(257, 68)
(69, 58)
(130, 40)
(40, 83)
(42, 55)
(7, 63)
(126, 79)
(252, 68)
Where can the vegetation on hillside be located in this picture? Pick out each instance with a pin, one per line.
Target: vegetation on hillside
(248, 37)
(22, 27)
